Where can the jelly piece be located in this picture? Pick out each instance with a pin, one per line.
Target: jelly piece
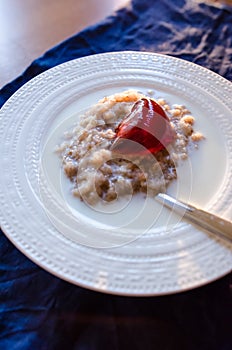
(147, 126)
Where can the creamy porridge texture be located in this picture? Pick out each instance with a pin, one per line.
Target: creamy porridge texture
(100, 171)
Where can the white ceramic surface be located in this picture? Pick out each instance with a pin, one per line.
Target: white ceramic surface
(136, 248)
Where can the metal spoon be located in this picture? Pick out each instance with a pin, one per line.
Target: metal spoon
(203, 219)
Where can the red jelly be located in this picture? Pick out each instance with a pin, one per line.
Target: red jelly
(146, 129)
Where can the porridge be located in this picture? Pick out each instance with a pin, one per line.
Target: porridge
(127, 143)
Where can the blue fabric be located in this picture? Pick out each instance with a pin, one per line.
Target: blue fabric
(40, 311)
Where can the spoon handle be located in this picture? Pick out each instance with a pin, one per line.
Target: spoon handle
(203, 219)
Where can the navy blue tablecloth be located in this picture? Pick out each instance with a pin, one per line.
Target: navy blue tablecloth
(40, 311)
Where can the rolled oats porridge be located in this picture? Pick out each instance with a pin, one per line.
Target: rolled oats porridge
(98, 170)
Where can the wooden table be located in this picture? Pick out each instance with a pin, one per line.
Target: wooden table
(30, 27)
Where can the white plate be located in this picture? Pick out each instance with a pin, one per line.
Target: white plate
(127, 249)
